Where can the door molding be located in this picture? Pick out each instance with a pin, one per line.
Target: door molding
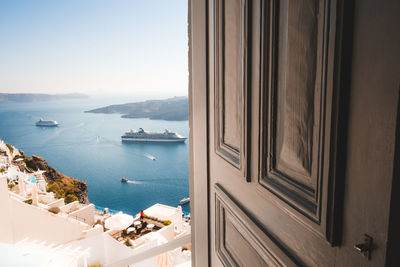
(198, 123)
(298, 109)
(239, 239)
(231, 81)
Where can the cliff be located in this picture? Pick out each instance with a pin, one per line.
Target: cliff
(62, 185)
(171, 109)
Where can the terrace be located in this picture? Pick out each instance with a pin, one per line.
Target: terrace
(136, 230)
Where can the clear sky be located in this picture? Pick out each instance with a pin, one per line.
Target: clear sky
(94, 46)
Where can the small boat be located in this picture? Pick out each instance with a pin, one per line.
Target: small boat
(184, 201)
(150, 157)
(124, 180)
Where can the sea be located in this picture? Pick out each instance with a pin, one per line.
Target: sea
(88, 147)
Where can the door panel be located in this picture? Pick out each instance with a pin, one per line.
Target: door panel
(239, 241)
(297, 90)
(298, 108)
(230, 65)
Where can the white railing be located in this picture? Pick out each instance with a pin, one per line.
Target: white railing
(153, 252)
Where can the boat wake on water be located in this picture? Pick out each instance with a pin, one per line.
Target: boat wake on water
(127, 181)
(133, 182)
(150, 157)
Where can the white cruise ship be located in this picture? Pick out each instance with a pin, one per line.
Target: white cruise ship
(46, 123)
(142, 136)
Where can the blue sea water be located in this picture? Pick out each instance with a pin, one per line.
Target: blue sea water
(88, 147)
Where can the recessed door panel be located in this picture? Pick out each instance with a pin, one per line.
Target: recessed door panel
(232, 75)
(297, 90)
(298, 108)
(239, 240)
(230, 67)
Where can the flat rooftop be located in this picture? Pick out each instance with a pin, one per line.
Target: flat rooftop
(160, 210)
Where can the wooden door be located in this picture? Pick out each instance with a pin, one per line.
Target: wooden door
(275, 181)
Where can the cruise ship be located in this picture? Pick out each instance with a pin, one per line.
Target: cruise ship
(46, 123)
(142, 136)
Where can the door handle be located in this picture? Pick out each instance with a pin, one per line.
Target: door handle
(366, 247)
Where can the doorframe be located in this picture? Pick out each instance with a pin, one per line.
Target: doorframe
(198, 124)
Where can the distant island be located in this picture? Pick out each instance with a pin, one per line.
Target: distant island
(38, 97)
(171, 109)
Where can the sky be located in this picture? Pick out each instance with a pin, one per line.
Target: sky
(94, 46)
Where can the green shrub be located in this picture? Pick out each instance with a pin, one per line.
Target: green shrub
(53, 187)
(70, 198)
(10, 147)
(30, 169)
(166, 222)
(54, 210)
(18, 157)
(28, 201)
(127, 242)
(11, 186)
(56, 189)
(3, 170)
(30, 163)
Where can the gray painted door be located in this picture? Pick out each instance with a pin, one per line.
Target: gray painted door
(294, 156)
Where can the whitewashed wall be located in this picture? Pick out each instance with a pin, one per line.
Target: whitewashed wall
(58, 203)
(35, 223)
(6, 227)
(85, 214)
(103, 249)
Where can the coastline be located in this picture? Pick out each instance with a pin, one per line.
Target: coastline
(74, 149)
(36, 164)
(60, 184)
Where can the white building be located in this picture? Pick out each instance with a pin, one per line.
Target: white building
(20, 220)
(164, 212)
(68, 238)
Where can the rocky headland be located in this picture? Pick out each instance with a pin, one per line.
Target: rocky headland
(171, 109)
(60, 184)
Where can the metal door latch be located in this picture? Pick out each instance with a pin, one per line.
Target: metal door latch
(366, 247)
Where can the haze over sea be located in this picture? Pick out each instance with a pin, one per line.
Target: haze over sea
(88, 147)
